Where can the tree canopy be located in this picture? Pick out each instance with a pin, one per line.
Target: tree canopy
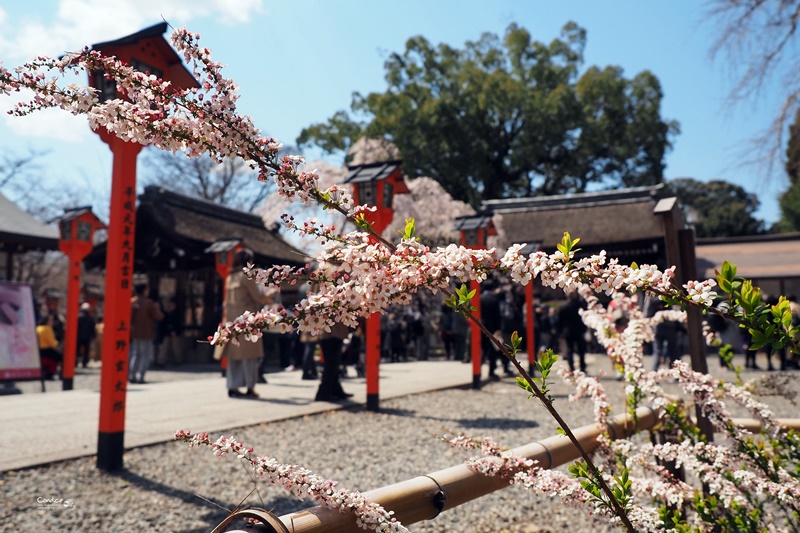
(510, 116)
(720, 208)
(790, 199)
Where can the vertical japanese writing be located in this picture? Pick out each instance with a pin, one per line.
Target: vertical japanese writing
(122, 340)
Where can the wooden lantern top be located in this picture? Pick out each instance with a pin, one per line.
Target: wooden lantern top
(148, 48)
(380, 171)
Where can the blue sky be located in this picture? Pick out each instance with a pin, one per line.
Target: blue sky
(297, 62)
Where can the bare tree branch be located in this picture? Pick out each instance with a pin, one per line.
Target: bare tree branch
(15, 170)
(232, 183)
(758, 39)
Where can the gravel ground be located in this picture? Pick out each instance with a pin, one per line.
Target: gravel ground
(169, 487)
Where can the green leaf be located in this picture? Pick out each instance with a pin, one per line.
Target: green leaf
(361, 221)
(409, 230)
(524, 385)
(516, 340)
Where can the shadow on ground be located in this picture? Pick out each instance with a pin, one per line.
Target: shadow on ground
(211, 510)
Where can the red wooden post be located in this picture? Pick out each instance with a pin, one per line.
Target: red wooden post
(475, 229)
(475, 337)
(529, 326)
(117, 314)
(373, 360)
(147, 51)
(76, 228)
(71, 327)
(530, 322)
(375, 184)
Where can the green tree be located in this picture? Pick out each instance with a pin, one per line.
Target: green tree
(790, 199)
(510, 117)
(720, 208)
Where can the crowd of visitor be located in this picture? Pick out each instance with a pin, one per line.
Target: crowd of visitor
(423, 329)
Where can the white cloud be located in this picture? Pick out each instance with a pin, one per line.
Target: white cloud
(52, 124)
(76, 23)
(81, 22)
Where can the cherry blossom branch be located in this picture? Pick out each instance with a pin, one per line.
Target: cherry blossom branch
(301, 482)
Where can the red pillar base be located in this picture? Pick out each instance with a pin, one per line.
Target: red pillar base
(476, 337)
(373, 402)
(372, 370)
(110, 448)
(476, 381)
(66, 384)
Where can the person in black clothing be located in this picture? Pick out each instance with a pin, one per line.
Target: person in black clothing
(330, 388)
(490, 316)
(665, 343)
(571, 326)
(86, 333)
(168, 339)
(548, 328)
(512, 302)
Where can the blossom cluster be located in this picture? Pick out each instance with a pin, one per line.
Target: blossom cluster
(301, 482)
(588, 386)
(356, 278)
(494, 461)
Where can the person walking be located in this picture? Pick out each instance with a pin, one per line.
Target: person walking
(490, 316)
(571, 326)
(270, 342)
(169, 335)
(665, 342)
(511, 303)
(330, 388)
(243, 294)
(86, 334)
(461, 329)
(144, 326)
(48, 347)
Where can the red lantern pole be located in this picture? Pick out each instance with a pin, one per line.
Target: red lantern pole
(474, 231)
(529, 326)
(148, 51)
(71, 333)
(380, 219)
(224, 271)
(117, 315)
(76, 228)
(373, 356)
(375, 184)
(476, 336)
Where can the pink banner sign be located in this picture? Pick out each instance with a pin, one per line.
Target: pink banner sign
(19, 346)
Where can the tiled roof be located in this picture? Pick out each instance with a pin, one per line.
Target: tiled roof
(371, 172)
(755, 257)
(198, 224)
(597, 218)
(19, 230)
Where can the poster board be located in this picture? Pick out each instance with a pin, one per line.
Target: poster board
(19, 345)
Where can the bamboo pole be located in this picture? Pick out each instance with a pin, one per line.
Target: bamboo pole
(755, 425)
(424, 497)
